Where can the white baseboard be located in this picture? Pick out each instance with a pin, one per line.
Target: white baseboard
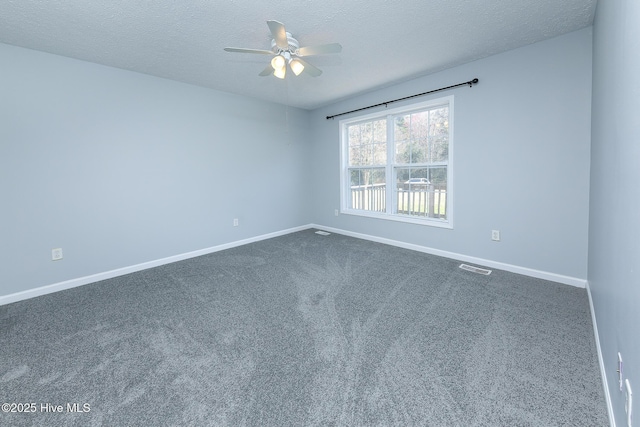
(603, 371)
(68, 284)
(559, 278)
(55, 287)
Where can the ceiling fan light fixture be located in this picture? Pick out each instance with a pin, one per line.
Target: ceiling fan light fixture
(296, 66)
(288, 53)
(280, 72)
(278, 62)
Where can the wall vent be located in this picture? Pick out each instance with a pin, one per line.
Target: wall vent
(322, 233)
(473, 269)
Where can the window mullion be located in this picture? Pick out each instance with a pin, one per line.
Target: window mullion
(390, 171)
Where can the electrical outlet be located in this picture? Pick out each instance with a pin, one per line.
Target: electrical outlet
(335, 212)
(56, 254)
(235, 222)
(495, 235)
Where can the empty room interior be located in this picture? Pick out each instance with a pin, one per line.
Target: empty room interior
(340, 214)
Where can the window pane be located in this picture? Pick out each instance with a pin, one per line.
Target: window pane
(366, 136)
(379, 154)
(419, 151)
(422, 192)
(420, 126)
(439, 135)
(401, 131)
(439, 121)
(411, 135)
(367, 143)
(368, 189)
(355, 158)
(403, 152)
(422, 137)
(439, 149)
(401, 138)
(354, 134)
(380, 131)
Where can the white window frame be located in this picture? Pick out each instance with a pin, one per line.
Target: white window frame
(345, 183)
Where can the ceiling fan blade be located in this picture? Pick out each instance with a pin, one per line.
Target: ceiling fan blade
(267, 71)
(243, 50)
(279, 34)
(310, 69)
(320, 49)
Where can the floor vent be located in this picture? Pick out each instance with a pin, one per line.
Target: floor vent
(475, 269)
(322, 233)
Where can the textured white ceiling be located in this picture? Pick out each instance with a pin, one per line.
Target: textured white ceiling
(383, 41)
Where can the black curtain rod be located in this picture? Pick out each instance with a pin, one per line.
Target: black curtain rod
(470, 83)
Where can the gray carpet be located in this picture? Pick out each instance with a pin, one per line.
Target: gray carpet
(305, 330)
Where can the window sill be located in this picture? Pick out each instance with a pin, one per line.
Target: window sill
(430, 222)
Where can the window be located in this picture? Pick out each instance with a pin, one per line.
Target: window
(397, 164)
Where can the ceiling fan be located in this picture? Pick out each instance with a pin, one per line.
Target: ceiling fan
(287, 51)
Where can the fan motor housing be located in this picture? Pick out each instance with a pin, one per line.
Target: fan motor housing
(293, 45)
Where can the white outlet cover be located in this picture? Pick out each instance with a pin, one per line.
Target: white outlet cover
(56, 254)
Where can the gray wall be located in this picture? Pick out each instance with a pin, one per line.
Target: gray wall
(521, 158)
(119, 168)
(614, 218)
